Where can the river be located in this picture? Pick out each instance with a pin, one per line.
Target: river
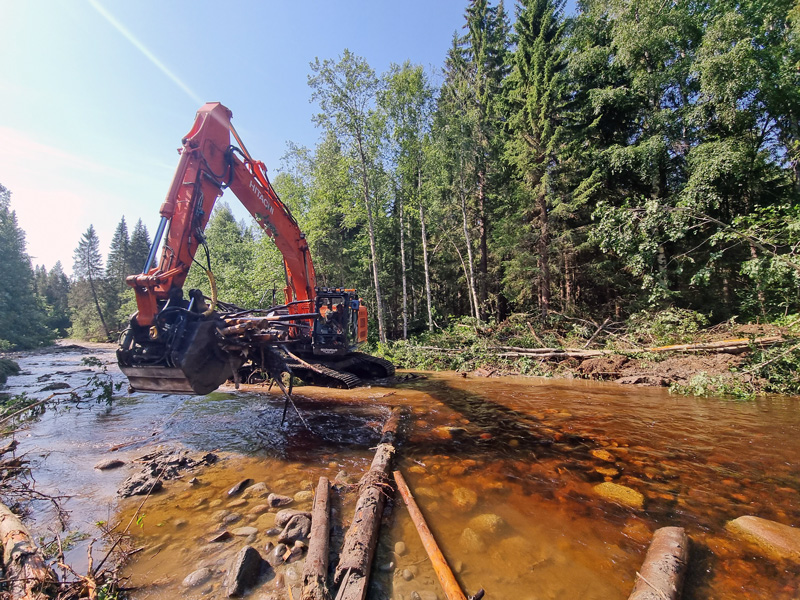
(526, 450)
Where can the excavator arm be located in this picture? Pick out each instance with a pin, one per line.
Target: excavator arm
(208, 165)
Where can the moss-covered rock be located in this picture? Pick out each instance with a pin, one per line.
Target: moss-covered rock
(620, 494)
(772, 539)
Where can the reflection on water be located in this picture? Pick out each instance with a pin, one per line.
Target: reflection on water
(504, 470)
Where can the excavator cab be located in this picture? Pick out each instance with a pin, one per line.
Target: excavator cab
(335, 332)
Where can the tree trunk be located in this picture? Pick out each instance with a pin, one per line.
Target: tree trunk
(425, 252)
(664, 569)
(355, 561)
(315, 570)
(372, 244)
(403, 265)
(29, 575)
(544, 263)
(97, 305)
(483, 264)
(759, 287)
(470, 260)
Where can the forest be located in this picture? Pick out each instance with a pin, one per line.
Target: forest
(632, 159)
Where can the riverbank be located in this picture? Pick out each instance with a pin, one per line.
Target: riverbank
(730, 359)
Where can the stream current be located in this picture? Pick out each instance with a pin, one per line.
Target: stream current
(504, 470)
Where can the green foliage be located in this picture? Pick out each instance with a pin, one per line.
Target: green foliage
(23, 315)
(666, 327)
(704, 385)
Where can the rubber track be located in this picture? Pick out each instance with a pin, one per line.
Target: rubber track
(375, 364)
(322, 375)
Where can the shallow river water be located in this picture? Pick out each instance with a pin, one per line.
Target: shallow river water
(527, 450)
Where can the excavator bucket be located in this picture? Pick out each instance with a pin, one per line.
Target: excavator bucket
(192, 364)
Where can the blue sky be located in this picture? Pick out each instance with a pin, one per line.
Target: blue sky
(95, 95)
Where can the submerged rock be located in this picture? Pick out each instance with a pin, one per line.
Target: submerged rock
(487, 523)
(275, 500)
(257, 490)
(620, 494)
(304, 496)
(464, 498)
(109, 463)
(244, 571)
(471, 541)
(245, 531)
(198, 577)
(604, 455)
(774, 540)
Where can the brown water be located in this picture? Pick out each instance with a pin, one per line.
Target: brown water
(521, 449)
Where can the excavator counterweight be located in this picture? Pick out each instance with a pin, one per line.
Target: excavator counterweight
(192, 346)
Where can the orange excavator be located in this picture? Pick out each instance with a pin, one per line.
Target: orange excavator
(191, 344)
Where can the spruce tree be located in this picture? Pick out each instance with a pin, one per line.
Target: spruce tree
(536, 97)
(88, 271)
(22, 317)
(139, 248)
(117, 265)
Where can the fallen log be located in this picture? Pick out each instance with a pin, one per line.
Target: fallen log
(26, 570)
(739, 344)
(662, 574)
(355, 561)
(315, 570)
(452, 590)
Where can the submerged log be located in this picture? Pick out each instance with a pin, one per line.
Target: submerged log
(315, 571)
(352, 573)
(29, 575)
(452, 590)
(662, 574)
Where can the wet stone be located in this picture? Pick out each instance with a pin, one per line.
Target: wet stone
(620, 494)
(400, 548)
(198, 577)
(240, 487)
(180, 523)
(244, 571)
(296, 529)
(244, 531)
(407, 575)
(232, 518)
(282, 517)
(304, 496)
(237, 503)
(773, 539)
(259, 509)
(109, 463)
(219, 515)
(275, 557)
(221, 537)
(603, 455)
(276, 500)
(257, 490)
(273, 531)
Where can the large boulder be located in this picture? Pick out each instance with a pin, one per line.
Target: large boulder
(772, 539)
(243, 572)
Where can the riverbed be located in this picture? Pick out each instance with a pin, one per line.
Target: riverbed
(504, 469)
